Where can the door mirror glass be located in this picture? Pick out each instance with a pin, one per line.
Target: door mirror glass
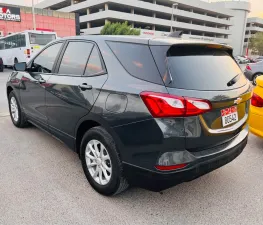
(20, 66)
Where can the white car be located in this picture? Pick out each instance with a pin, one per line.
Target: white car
(241, 60)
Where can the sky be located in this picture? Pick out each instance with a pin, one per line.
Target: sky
(257, 5)
(257, 8)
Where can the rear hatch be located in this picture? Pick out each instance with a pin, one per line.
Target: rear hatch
(207, 72)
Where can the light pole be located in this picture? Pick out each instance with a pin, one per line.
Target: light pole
(172, 19)
(33, 14)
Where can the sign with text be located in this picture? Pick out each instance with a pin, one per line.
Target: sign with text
(10, 13)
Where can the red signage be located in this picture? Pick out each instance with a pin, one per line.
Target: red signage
(10, 13)
(45, 29)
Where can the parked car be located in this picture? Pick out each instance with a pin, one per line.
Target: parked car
(250, 60)
(147, 112)
(258, 59)
(256, 110)
(1, 65)
(253, 70)
(241, 60)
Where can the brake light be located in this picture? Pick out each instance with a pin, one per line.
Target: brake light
(256, 101)
(172, 167)
(166, 105)
(248, 67)
(28, 53)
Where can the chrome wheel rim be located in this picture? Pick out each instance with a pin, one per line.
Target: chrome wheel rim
(98, 162)
(14, 109)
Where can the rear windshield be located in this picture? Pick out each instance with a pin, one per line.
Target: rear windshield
(41, 39)
(197, 68)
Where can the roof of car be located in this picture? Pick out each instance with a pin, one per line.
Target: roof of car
(143, 40)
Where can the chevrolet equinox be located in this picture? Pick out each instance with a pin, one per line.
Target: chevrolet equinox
(147, 112)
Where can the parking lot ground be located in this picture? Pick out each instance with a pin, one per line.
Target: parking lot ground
(3, 99)
(41, 182)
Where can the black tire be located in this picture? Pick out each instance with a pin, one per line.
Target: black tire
(255, 77)
(117, 182)
(2, 68)
(22, 121)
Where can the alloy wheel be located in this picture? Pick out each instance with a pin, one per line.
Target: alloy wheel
(98, 162)
(14, 109)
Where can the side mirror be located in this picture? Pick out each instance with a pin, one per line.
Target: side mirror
(20, 66)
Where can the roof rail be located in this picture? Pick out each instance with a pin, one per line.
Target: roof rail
(176, 34)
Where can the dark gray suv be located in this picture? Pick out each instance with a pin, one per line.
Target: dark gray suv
(147, 112)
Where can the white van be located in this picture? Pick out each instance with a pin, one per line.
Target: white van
(20, 47)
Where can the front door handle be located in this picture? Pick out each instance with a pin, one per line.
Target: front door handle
(85, 86)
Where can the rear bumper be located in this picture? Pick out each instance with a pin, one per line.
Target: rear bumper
(256, 124)
(158, 181)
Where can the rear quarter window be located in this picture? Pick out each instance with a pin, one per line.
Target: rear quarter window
(137, 60)
(197, 67)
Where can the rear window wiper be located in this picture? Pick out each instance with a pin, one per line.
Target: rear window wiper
(233, 81)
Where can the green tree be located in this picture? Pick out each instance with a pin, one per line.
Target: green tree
(256, 43)
(119, 29)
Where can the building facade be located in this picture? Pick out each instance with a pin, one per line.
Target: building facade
(16, 19)
(254, 25)
(197, 19)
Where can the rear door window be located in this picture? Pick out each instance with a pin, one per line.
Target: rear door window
(197, 67)
(137, 60)
(94, 65)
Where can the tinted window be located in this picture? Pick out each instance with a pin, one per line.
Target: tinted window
(197, 67)
(45, 60)
(2, 44)
(75, 58)
(137, 60)
(94, 65)
(7, 43)
(21, 40)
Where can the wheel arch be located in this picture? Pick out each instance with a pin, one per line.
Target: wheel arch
(87, 123)
(8, 90)
(255, 74)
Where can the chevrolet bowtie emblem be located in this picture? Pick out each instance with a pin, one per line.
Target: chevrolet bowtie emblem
(238, 101)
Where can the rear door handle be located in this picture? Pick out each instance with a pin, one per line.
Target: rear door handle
(85, 86)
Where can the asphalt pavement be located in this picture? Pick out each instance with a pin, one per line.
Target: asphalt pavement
(41, 182)
(3, 99)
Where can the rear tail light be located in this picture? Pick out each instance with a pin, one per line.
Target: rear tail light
(256, 101)
(166, 105)
(248, 67)
(28, 53)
